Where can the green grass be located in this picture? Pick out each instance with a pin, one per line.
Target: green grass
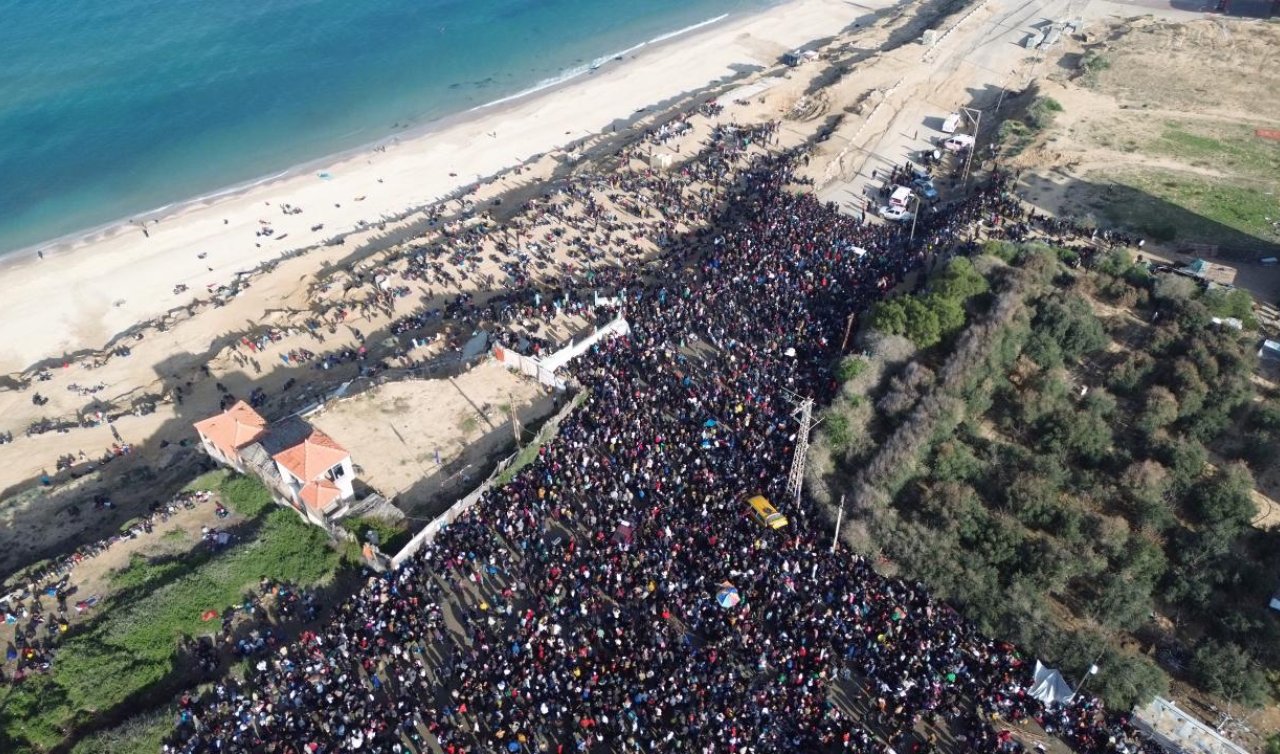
(1169, 206)
(245, 495)
(391, 536)
(1231, 149)
(851, 367)
(132, 642)
(143, 734)
(209, 481)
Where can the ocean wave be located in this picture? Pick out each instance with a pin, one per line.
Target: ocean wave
(573, 73)
(687, 29)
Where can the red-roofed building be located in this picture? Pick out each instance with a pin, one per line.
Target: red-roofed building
(305, 468)
(316, 463)
(225, 434)
(319, 496)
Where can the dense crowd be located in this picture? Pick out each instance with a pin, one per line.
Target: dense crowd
(574, 609)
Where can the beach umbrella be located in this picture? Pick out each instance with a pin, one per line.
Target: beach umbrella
(728, 596)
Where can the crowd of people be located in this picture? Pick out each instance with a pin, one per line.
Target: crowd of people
(38, 627)
(533, 624)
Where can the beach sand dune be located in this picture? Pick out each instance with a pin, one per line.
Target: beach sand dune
(87, 291)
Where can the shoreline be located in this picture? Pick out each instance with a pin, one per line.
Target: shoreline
(59, 246)
(72, 303)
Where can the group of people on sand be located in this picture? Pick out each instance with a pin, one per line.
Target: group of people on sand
(584, 606)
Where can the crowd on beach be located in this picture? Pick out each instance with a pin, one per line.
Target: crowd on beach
(578, 607)
(27, 608)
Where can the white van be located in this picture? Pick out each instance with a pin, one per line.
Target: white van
(951, 123)
(900, 197)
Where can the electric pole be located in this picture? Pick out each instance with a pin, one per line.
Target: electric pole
(848, 325)
(795, 481)
(515, 423)
(835, 538)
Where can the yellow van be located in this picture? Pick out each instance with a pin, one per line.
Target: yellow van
(765, 513)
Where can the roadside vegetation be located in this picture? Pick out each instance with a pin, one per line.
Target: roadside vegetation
(1079, 484)
(130, 652)
(1154, 156)
(1018, 132)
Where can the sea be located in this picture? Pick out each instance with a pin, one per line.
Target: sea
(114, 108)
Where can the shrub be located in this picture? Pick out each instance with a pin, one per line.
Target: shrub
(1235, 303)
(1042, 112)
(1228, 671)
(851, 367)
(836, 428)
(245, 495)
(1174, 288)
(391, 534)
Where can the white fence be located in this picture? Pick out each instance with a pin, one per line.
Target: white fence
(431, 530)
(528, 366)
(438, 524)
(544, 370)
(572, 351)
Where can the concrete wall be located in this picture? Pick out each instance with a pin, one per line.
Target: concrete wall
(544, 370)
(438, 524)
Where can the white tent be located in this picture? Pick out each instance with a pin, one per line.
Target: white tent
(1048, 685)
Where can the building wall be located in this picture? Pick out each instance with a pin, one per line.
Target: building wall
(216, 454)
(346, 482)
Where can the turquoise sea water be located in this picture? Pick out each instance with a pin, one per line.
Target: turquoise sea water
(110, 108)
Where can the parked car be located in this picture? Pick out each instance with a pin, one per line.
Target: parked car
(959, 142)
(897, 214)
(925, 188)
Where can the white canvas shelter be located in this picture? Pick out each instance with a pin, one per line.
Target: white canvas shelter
(1049, 686)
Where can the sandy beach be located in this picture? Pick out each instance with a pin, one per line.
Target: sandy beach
(84, 293)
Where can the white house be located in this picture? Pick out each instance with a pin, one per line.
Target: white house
(304, 467)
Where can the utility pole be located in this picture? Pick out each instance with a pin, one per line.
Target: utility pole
(795, 480)
(835, 538)
(515, 422)
(914, 215)
(848, 325)
(976, 117)
(1093, 670)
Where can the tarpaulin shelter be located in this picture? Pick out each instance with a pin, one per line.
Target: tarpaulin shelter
(1049, 686)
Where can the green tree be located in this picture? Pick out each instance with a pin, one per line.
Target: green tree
(1159, 410)
(1120, 601)
(960, 281)
(1071, 323)
(1228, 671)
(1225, 499)
(1146, 489)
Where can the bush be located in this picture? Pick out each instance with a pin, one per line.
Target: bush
(929, 318)
(1228, 671)
(391, 534)
(851, 367)
(1042, 112)
(1174, 288)
(245, 495)
(1013, 137)
(1005, 251)
(133, 641)
(1235, 303)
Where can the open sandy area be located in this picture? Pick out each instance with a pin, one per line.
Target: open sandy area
(80, 297)
(419, 439)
